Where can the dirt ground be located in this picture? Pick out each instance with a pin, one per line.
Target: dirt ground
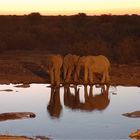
(25, 67)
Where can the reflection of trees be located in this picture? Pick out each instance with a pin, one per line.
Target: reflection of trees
(54, 107)
(92, 102)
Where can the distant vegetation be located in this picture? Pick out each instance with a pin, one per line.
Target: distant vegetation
(117, 37)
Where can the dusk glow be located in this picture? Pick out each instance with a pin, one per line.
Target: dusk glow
(69, 7)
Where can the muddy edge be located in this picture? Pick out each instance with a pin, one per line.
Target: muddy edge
(25, 68)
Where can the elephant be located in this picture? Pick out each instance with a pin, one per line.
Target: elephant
(93, 65)
(80, 65)
(69, 64)
(53, 66)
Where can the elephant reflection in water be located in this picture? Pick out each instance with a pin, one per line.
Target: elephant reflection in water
(95, 102)
(71, 100)
(54, 107)
(92, 102)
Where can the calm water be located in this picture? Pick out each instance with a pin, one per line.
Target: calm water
(72, 113)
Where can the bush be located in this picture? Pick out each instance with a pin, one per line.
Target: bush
(126, 50)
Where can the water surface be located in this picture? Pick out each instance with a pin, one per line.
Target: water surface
(72, 113)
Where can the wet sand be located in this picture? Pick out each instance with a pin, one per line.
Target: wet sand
(16, 115)
(10, 137)
(135, 114)
(25, 67)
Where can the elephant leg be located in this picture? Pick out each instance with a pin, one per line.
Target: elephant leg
(52, 76)
(91, 91)
(86, 76)
(65, 71)
(68, 75)
(77, 97)
(75, 77)
(90, 76)
(107, 77)
(57, 76)
(103, 78)
(85, 93)
(103, 89)
(76, 74)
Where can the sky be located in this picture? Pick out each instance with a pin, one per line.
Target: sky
(69, 7)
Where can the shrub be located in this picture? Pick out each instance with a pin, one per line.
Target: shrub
(126, 50)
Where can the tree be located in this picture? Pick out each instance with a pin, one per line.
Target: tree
(34, 18)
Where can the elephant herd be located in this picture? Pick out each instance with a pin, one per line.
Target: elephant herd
(71, 66)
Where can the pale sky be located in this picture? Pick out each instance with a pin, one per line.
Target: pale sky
(69, 7)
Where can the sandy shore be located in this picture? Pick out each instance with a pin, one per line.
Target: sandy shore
(10, 137)
(24, 67)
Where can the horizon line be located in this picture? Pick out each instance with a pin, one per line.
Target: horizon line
(108, 14)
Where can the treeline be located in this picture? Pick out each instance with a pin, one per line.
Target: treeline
(117, 37)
